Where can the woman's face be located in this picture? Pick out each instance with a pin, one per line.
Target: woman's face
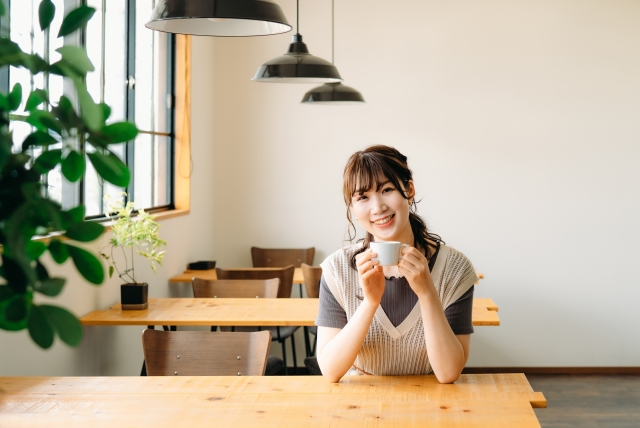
(384, 213)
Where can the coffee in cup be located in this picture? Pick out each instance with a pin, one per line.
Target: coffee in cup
(388, 252)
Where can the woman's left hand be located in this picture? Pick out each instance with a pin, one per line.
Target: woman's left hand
(415, 267)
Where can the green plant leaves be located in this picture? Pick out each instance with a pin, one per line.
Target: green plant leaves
(58, 251)
(17, 308)
(37, 97)
(46, 320)
(50, 287)
(38, 138)
(39, 328)
(13, 273)
(85, 232)
(73, 166)
(15, 97)
(76, 214)
(65, 324)
(43, 121)
(76, 58)
(106, 110)
(91, 112)
(75, 19)
(120, 132)
(111, 168)
(87, 264)
(7, 297)
(48, 160)
(46, 12)
(35, 249)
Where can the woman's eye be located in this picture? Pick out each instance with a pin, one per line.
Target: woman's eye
(362, 198)
(388, 189)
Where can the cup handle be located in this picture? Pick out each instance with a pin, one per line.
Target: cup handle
(400, 251)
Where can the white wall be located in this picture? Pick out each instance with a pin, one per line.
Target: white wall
(118, 350)
(520, 121)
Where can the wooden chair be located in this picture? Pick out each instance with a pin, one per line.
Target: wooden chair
(312, 275)
(201, 353)
(280, 257)
(233, 288)
(283, 276)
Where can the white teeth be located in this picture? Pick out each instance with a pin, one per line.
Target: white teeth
(384, 220)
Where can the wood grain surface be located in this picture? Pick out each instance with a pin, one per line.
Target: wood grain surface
(240, 312)
(210, 274)
(310, 401)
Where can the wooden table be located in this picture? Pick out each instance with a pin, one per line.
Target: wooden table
(486, 400)
(240, 312)
(210, 274)
(298, 277)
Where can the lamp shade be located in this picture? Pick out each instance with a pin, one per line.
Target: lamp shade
(234, 18)
(297, 66)
(332, 93)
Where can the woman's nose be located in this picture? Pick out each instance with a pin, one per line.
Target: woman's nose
(378, 205)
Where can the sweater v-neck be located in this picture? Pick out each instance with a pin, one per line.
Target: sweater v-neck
(407, 324)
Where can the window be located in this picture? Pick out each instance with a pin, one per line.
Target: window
(134, 75)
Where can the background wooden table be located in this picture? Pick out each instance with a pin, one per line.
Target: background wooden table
(210, 274)
(487, 400)
(240, 312)
(298, 277)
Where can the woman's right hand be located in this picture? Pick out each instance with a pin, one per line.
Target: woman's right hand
(371, 276)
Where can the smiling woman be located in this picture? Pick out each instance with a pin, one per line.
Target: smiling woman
(413, 317)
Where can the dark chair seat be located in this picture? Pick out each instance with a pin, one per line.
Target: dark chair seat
(311, 363)
(274, 366)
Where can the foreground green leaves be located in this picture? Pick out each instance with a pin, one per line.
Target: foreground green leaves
(46, 12)
(64, 136)
(111, 168)
(75, 20)
(87, 264)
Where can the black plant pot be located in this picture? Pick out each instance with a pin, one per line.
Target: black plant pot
(134, 296)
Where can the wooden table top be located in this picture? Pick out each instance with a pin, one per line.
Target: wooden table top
(298, 277)
(210, 274)
(240, 312)
(486, 400)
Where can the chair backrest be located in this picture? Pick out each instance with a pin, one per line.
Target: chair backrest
(312, 275)
(236, 288)
(285, 275)
(281, 257)
(203, 353)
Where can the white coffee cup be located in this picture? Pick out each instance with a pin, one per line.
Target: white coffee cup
(388, 252)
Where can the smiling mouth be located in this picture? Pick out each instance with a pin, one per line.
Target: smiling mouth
(383, 220)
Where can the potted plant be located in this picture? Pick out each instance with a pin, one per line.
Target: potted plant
(140, 233)
(64, 134)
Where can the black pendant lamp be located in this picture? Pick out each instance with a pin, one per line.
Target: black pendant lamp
(332, 93)
(233, 18)
(297, 65)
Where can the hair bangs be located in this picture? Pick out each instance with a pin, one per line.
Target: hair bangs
(366, 172)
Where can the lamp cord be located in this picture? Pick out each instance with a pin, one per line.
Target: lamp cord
(297, 16)
(332, 61)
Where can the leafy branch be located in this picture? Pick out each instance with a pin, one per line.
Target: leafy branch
(25, 209)
(127, 232)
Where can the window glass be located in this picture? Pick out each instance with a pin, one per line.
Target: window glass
(138, 92)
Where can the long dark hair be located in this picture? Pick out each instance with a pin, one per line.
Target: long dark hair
(372, 167)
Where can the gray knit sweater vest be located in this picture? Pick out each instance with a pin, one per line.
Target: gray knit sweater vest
(401, 350)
